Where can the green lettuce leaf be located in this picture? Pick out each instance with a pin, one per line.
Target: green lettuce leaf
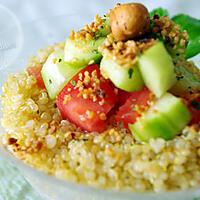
(192, 26)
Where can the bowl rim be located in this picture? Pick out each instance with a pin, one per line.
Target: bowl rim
(20, 37)
(89, 189)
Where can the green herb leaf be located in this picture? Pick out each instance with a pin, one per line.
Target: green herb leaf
(104, 30)
(95, 51)
(192, 26)
(159, 11)
(130, 73)
(73, 83)
(93, 43)
(196, 105)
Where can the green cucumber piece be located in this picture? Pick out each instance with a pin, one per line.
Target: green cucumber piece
(152, 125)
(174, 110)
(56, 73)
(157, 69)
(165, 119)
(123, 77)
(80, 52)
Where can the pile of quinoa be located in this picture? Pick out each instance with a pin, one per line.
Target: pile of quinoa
(36, 134)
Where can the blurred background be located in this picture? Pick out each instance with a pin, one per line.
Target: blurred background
(28, 10)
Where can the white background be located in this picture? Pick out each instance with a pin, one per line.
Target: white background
(29, 10)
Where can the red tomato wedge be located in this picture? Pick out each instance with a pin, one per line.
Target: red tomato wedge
(36, 71)
(87, 99)
(123, 96)
(194, 107)
(134, 106)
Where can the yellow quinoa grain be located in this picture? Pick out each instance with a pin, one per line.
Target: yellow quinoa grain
(50, 141)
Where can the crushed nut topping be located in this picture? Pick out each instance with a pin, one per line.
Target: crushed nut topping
(102, 116)
(164, 27)
(125, 53)
(145, 43)
(88, 32)
(67, 98)
(88, 87)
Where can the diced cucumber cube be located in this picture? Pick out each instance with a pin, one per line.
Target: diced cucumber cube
(152, 125)
(157, 69)
(174, 109)
(56, 73)
(80, 52)
(123, 77)
(165, 119)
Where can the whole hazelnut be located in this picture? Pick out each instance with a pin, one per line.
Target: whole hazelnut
(129, 21)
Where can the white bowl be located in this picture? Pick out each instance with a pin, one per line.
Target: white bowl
(10, 37)
(39, 34)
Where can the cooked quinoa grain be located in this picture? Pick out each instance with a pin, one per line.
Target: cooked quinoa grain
(36, 134)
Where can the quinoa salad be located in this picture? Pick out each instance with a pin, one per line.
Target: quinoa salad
(115, 106)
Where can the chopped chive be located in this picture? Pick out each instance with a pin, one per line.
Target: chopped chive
(50, 81)
(73, 83)
(93, 43)
(196, 105)
(59, 60)
(179, 77)
(130, 73)
(95, 51)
